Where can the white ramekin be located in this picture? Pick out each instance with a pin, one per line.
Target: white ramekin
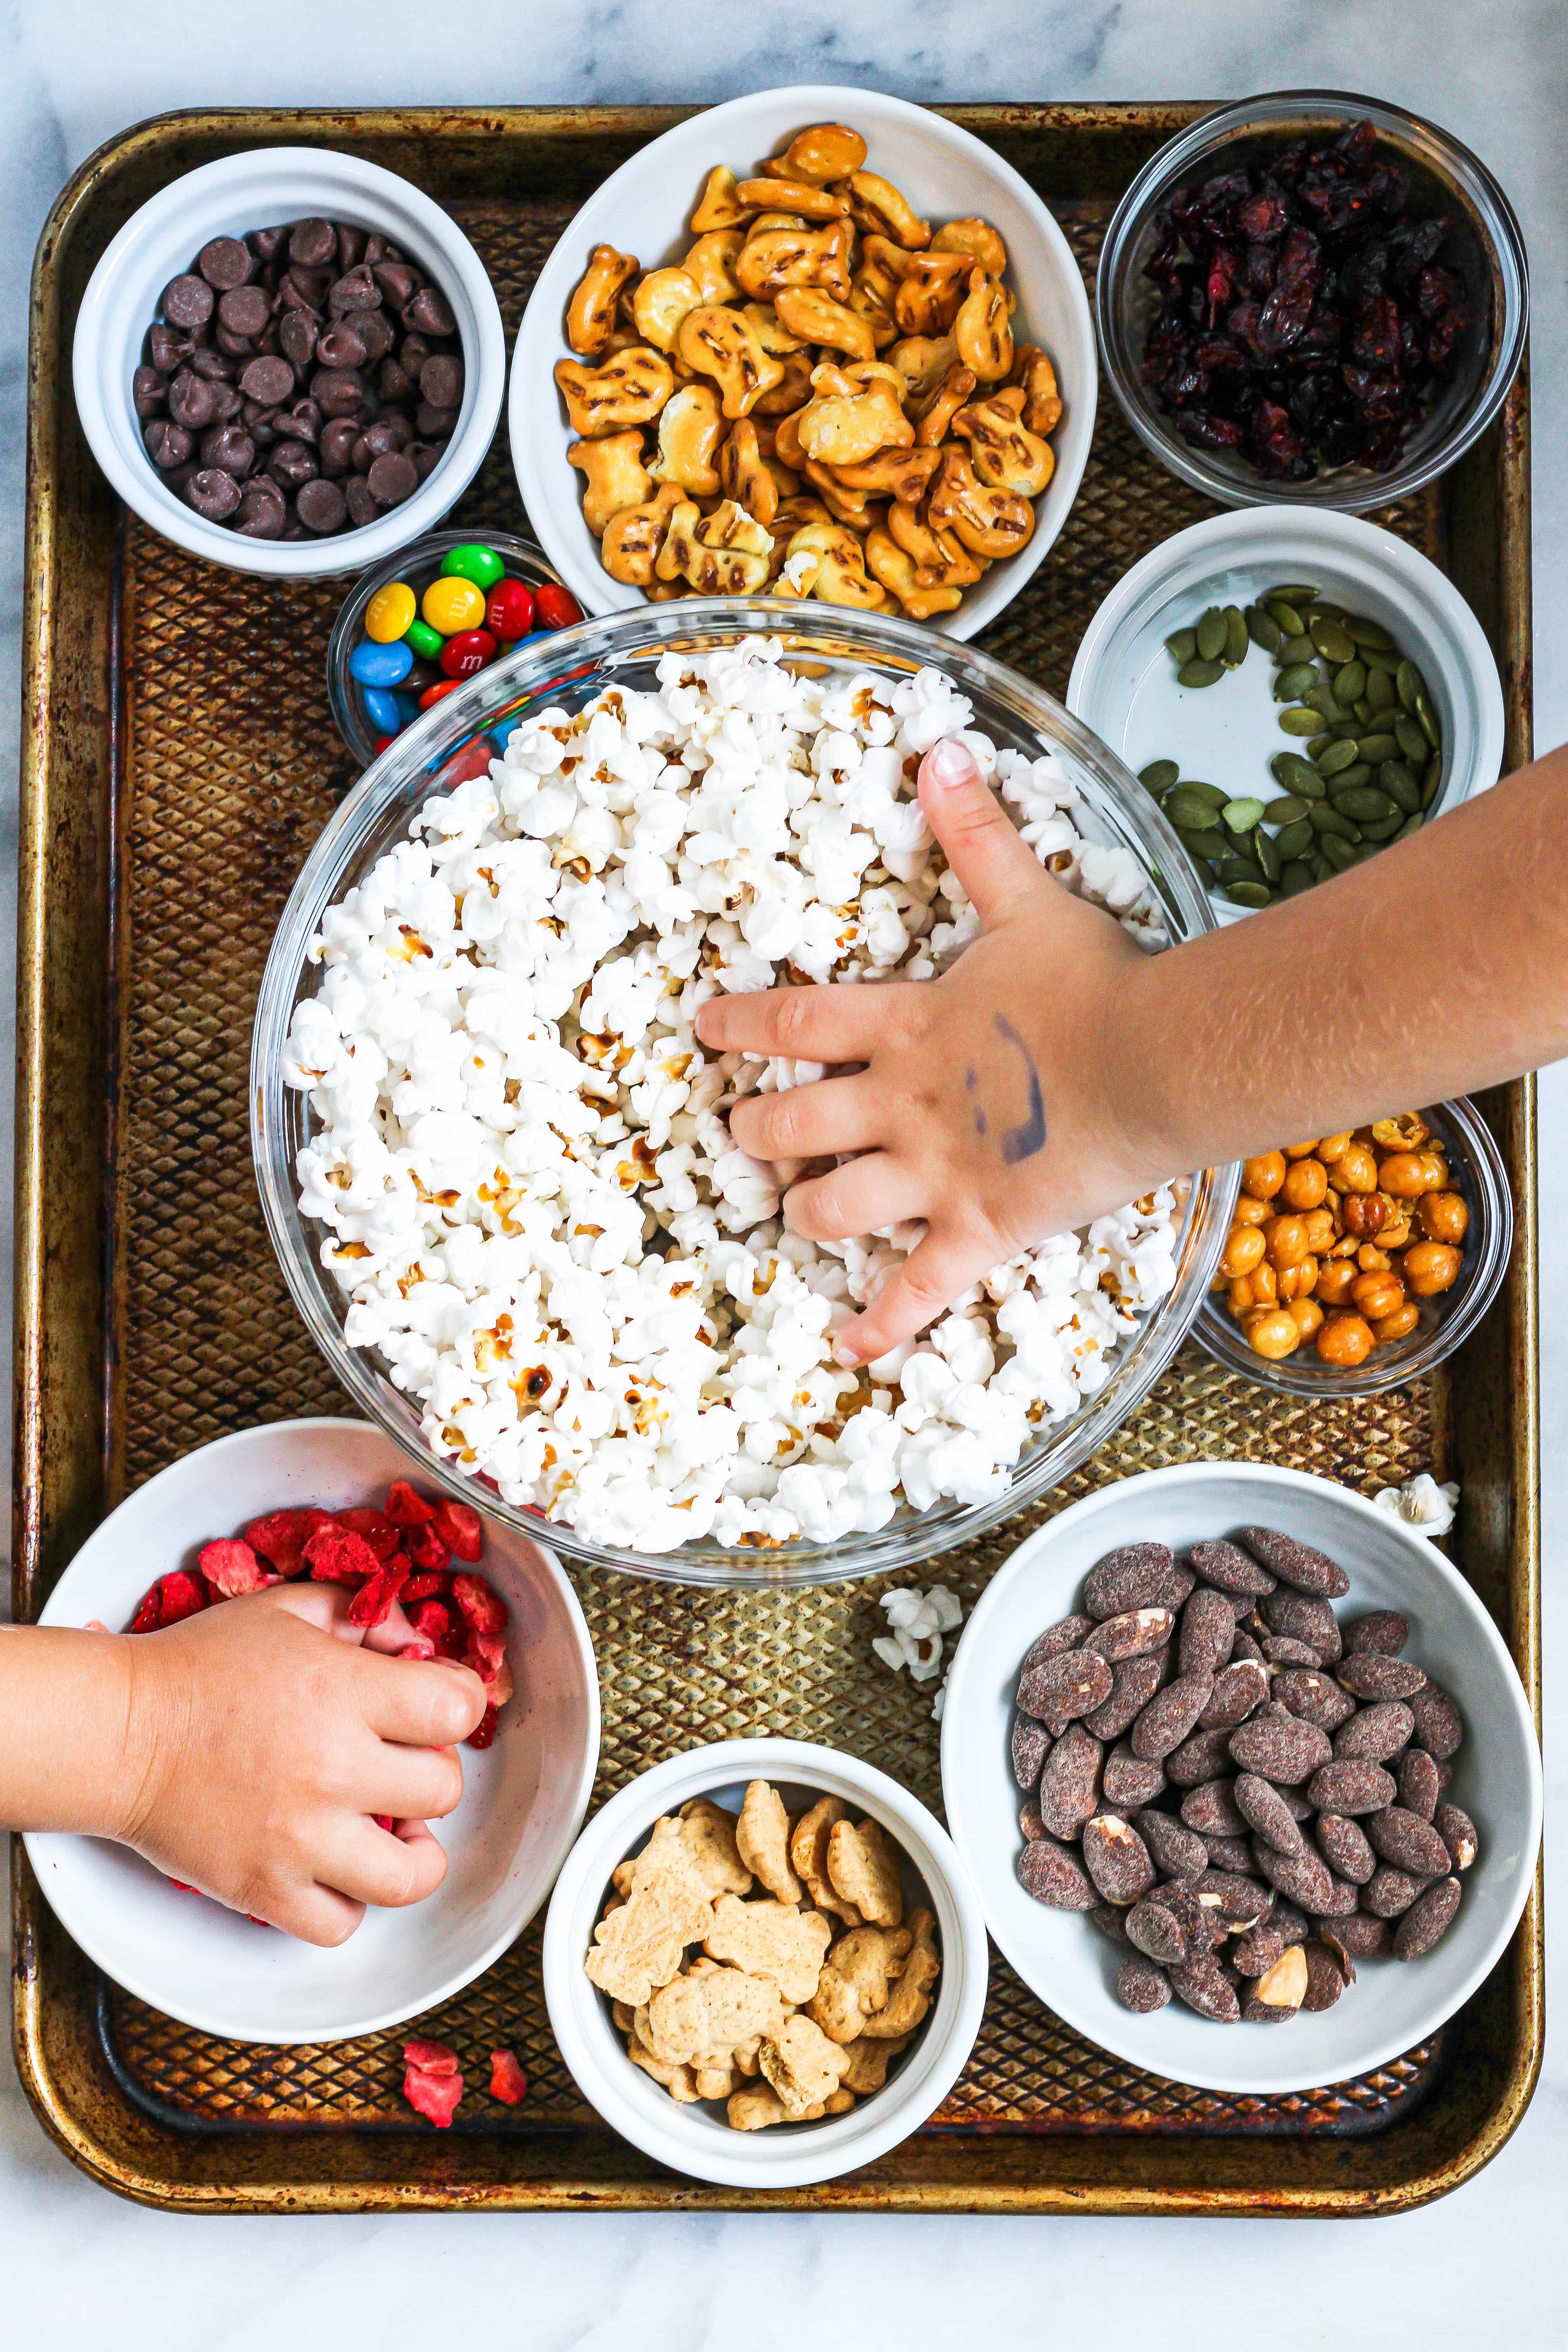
(256, 190)
(946, 173)
(697, 2139)
(1358, 564)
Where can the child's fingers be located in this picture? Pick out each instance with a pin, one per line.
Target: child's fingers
(370, 1864)
(421, 1703)
(875, 1189)
(805, 1122)
(415, 1784)
(315, 1914)
(928, 1280)
(984, 847)
(808, 1024)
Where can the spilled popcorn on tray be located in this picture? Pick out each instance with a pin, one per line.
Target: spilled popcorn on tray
(522, 1154)
(1421, 1503)
(916, 1623)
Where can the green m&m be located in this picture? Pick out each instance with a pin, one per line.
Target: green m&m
(424, 641)
(474, 562)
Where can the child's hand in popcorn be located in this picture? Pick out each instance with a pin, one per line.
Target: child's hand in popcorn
(244, 1752)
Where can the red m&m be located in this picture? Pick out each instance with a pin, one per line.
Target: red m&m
(508, 612)
(557, 608)
(466, 654)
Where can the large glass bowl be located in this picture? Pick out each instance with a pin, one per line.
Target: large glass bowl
(456, 739)
(1487, 249)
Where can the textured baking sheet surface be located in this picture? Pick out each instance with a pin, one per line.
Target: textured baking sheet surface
(231, 767)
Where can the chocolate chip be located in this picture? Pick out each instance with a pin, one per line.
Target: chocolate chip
(292, 462)
(434, 424)
(230, 448)
(441, 381)
(266, 243)
(343, 346)
(397, 282)
(191, 402)
(322, 507)
(166, 444)
(297, 338)
(356, 291)
(215, 367)
(225, 263)
(313, 243)
(187, 301)
(149, 391)
(166, 349)
(244, 310)
(337, 445)
(362, 507)
(339, 391)
(351, 243)
(268, 381)
(212, 493)
(262, 509)
(374, 330)
(312, 286)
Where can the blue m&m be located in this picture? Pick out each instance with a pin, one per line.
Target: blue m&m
(383, 664)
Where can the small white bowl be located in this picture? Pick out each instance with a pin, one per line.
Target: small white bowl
(258, 189)
(1070, 1962)
(946, 173)
(1228, 560)
(523, 1798)
(697, 2139)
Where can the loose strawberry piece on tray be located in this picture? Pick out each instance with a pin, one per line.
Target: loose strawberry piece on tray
(431, 2082)
(508, 2081)
(430, 2057)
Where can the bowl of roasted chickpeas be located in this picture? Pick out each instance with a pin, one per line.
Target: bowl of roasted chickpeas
(1356, 1262)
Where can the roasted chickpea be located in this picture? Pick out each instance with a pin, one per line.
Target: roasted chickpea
(1377, 1295)
(1307, 1316)
(1403, 1175)
(1320, 1233)
(1435, 1169)
(1398, 1325)
(1408, 1132)
(1244, 1246)
(1300, 1150)
(1372, 1259)
(1345, 1339)
(1306, 1184)
(1239, 1299)
(1298, 1281)
(1248, 1211)
(1431, 1266)
(1398, 1230)
(1274, 1334)
(1332, 1148)
(1286, 1240)
(1262, 1176)
(1443, 1216)
(1355, 1170)
(1367, 1214)
(1265, 1285)
(1334, 1281)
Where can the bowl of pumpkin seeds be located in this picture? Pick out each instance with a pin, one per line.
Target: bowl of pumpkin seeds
(1297, 690)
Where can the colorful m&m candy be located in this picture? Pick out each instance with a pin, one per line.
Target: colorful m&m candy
(471, 613)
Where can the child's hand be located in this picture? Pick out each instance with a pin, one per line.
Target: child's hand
(261, 1738)
(995, 1103)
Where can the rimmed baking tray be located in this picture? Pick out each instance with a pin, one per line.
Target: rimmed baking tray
(178, 759)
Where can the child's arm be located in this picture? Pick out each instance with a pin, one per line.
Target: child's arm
(1056, 1072)
(244, 1752)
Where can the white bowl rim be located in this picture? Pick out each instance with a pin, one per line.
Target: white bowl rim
(82, 1931)
(1424, 1554)
(359, 185)
(780, 2156)
(811, 102)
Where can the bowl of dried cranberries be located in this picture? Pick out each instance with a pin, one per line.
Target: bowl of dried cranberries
(1312, 295)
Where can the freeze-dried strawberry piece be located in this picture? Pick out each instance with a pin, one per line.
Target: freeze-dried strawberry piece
(337, 1555)
(146, 1618)
(430, 2057)
(279, 1538)
(484, 1730)
(460, 1528)
(435, 2095)
(507, 2080)
(429, 1617)
(425, 1548)
(427, 1584)
(375, 1528)
(372, 1603)
(232, 1568)
(182, 1593)
(405, 1508)
(487, 1656)
(381, 1820)
(480, 1603)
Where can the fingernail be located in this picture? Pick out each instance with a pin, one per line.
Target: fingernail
(846, 1355)
(948, 762)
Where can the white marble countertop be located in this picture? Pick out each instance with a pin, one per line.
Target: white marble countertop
(76, 2263)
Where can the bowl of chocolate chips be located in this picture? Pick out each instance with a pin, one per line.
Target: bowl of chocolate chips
(1312, 297)
(289, 361)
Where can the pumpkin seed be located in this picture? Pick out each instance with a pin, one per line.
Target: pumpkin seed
(1331, 640)
(1321, 870)
(1242, 815)
(1317, 744)
(1239, 869)
(1384, 828)
(1263, 629)
(1183, 645)
(1289, 685)
(1320, 699)
(1250, 894)
(1294, 839)
(1297, 649)
(1340, 855)
(1411, 827)
(1431, 779)
(1210, 793)
(1293, 592)
(1410, 685)
(1412, 741)
(1200, 673)
(1297, 721)
(1377, 748)
(1400, 785)
(1365, 804)
(1388, 663)
(1233, 652)
(1297, 775)
(1348, 778)
(1210, 634)
(1289, 617)
(1349, 683)
(1368, 632)
(1337, 758)
(1348, 726)
(1380, 689)
(1284, 811)
(1429, 727)
(1364, 713)
(1327, 612)
(1332, 826)
(1295, 878)
(1185, 810)
(1159, 776)
(1267, 852)
(1198, 845)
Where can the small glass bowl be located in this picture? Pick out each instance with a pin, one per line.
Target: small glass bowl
(456, 739)
(419, 564)
(1487, 249)
(1476, 1167)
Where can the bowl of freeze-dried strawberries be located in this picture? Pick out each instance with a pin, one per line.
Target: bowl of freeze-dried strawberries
(1312, 295)
(334, 1502)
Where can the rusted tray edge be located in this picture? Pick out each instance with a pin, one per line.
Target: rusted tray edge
(42, 829)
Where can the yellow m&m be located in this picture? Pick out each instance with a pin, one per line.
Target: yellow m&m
(389, 611)
(451, 605)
